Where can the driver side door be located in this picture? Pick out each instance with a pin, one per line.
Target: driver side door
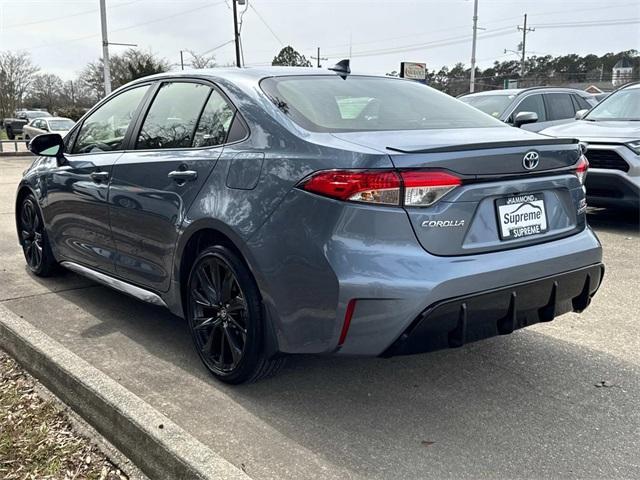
(76, 211)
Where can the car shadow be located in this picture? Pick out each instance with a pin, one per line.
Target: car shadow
(614, 220)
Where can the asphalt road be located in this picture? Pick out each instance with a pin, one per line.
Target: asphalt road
(528, 405)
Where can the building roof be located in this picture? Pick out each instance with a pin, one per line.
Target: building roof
(624, 62)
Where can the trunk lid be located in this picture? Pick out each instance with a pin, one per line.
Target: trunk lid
(541, 204)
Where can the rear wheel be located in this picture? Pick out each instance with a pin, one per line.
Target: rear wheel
(26, 139)
(225, 317)
(10, 134)
(34, 240)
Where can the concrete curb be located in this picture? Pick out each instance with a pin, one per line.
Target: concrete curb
(157, 446)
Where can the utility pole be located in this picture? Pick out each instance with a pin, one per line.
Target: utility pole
(318, 58)
(105, 48)
(472, 79)
(524, 43)
(236, 33)
(181, 61)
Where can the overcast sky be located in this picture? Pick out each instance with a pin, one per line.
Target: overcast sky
(63, 35)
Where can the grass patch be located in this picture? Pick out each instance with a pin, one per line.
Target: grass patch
(36, 437)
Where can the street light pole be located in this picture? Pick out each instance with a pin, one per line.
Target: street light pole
(472, 78)
(105, 48)
(236, 33)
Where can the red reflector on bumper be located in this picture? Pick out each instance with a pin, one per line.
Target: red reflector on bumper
(347, 320)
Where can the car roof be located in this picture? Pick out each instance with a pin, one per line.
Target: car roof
(632, 85)
(55, 118)
(520, 91)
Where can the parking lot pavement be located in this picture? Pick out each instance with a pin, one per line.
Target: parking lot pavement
(558, 400)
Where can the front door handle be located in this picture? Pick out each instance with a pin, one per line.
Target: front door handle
(182, 176)
(99, 177)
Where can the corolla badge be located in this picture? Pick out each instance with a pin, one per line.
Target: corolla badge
(530, 160)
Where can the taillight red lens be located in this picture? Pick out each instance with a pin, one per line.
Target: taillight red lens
(424, 188)
(581, 169)
(371, 186)
(421, 187)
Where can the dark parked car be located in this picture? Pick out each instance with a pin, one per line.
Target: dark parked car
(532, 108)
(288, 210)
(13, 126)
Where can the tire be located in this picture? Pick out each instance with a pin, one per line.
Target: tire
(10, 134)
(34, 239)
(26, 140)
(226, 319)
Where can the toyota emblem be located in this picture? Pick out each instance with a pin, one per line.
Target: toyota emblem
(531, 160)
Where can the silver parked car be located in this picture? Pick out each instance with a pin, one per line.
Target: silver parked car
(533, 108)
(41, 125)
(612, 130)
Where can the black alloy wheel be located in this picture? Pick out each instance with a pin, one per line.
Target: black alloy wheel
(33, 238)
(225, 317)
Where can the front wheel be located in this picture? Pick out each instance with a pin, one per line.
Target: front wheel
(34, 240)
(10, 134)
(226, 319)
(26, 140)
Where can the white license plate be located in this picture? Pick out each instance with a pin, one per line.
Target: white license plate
(521, 216)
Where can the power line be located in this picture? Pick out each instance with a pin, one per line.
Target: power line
(71, 15)
(266, 25)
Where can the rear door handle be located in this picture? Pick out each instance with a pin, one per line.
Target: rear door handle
(99, 176)
(183, 175)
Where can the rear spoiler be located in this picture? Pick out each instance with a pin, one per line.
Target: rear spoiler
(486, 146)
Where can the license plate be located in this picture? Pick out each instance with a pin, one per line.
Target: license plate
(521, 216)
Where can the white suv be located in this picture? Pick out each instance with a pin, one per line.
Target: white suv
(612, 130)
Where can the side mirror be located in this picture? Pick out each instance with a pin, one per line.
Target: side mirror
(580, 114)
(525, 117)
(47, 145)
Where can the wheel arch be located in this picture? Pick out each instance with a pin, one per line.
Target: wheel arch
(23, 190)
(209, 232)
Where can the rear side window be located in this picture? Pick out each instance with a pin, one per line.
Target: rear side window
(328, 103)
(214, 123)
(581, 103)
(173, 116)
(532, 103)
(104, 130)
(560, 106)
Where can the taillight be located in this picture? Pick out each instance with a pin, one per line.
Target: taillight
(581, 169)
(370, 186)
(424, 188)
(421, 188)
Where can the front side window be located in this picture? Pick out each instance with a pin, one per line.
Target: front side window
(104, 130)
(327, 103)
(173, 116)
(214, 123)
(620, 105)
(533, 103)
(560, 106)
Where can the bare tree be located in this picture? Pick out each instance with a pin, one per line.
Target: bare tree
(128, 66)
(202, 61)
(16, 74)
(45, 92)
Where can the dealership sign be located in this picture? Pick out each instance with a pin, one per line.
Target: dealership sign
(413, 71)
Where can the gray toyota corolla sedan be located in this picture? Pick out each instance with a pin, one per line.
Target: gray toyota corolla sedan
(283, 211)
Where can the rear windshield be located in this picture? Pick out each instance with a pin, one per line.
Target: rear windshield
(494, 105)
(327, 103)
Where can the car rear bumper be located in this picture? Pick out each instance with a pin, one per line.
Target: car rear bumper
(612, 188)
(453, 322)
